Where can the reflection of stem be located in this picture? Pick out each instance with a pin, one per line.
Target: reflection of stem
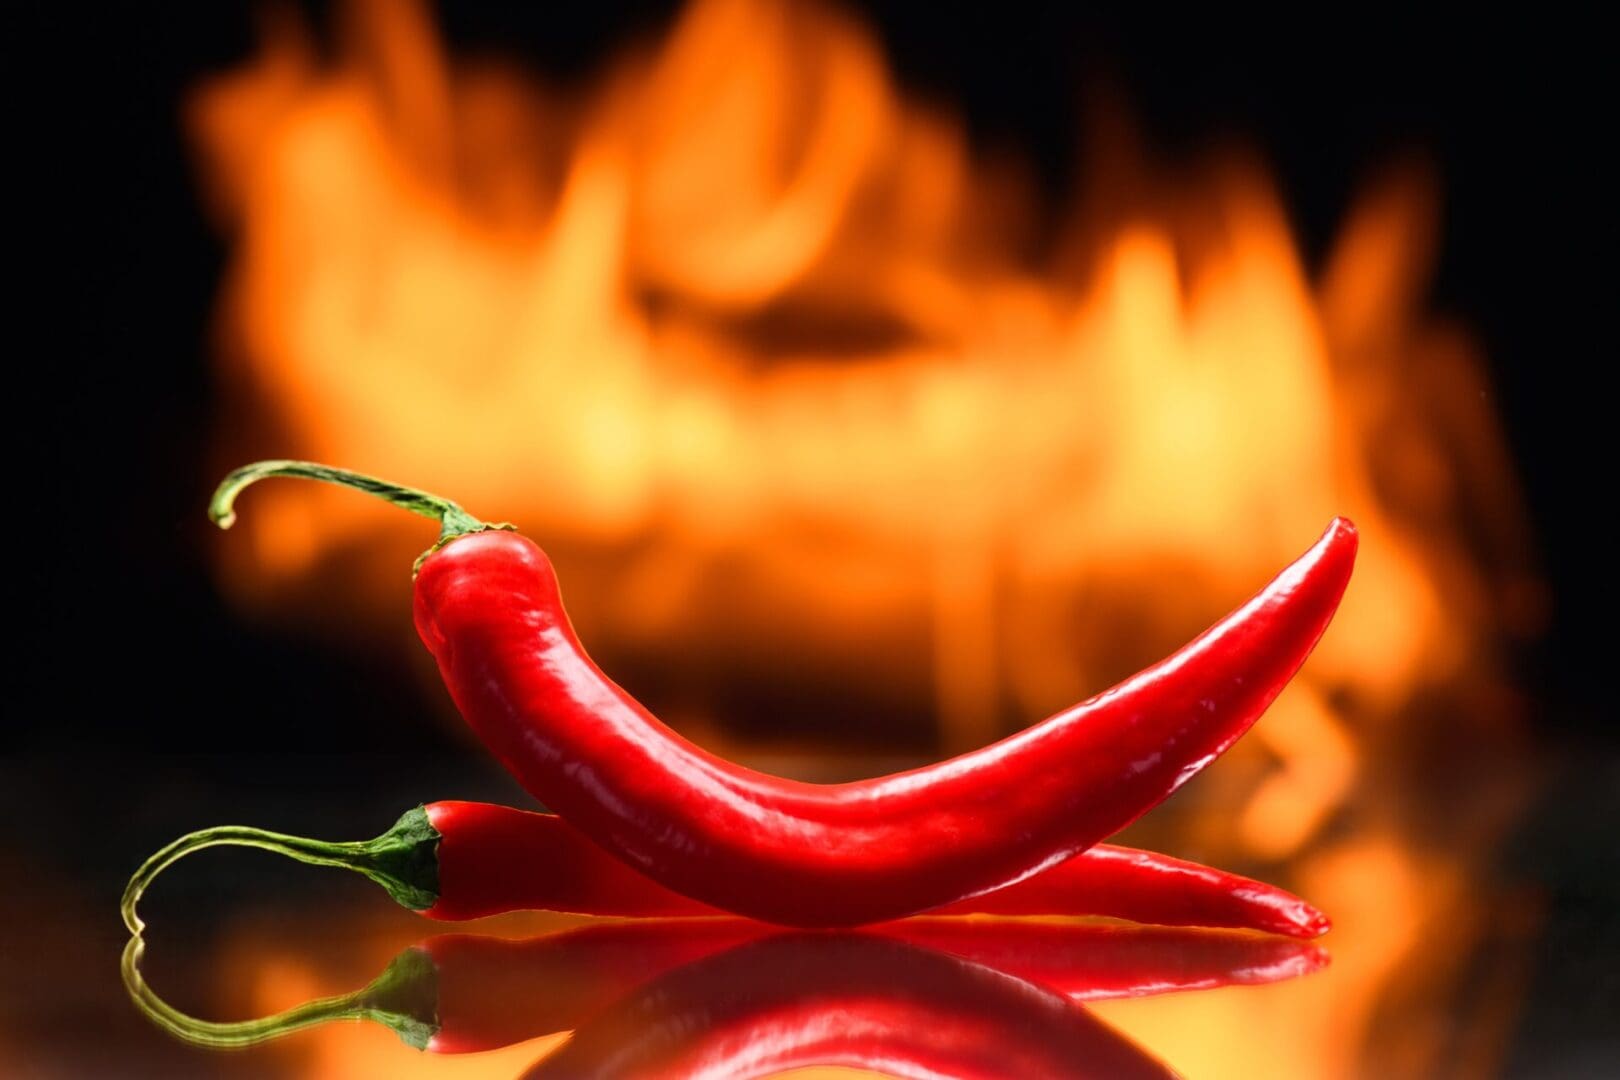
(401, 999)
(643, 990)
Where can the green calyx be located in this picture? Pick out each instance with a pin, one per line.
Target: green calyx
(404, 999)
(404, 860)
(453, 520)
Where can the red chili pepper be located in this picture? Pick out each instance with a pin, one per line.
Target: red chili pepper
(467, 860)
(488, 608)
(794, 1001)
(464, 993)
(1093, 963)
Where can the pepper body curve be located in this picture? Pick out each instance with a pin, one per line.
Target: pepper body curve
(487, 606)
(494, 859)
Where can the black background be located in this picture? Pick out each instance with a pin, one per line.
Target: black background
(126, 644)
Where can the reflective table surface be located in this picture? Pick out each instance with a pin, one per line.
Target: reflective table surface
(256, 967)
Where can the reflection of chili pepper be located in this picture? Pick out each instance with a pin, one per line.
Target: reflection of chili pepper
(488, 608)
(849, 1000)
(465, 860)
(460, 993)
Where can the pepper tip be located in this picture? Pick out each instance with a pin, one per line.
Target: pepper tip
(1316, 923)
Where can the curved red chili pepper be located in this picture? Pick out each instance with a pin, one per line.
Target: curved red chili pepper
(849, 1000)
(1092, 963)
(465, 860)
(464, 993)
(488, 608)
(493, 859)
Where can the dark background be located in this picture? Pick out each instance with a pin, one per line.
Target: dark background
(129, 645)
(139, 688)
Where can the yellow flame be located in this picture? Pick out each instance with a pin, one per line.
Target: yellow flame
(746, 338)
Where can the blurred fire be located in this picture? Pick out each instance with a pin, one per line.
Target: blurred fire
(799, 396)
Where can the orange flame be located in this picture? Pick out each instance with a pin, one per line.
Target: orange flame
(752, 344)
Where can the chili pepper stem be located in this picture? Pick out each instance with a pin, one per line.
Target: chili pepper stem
(453, 520)
(403, 999)
(403, 860)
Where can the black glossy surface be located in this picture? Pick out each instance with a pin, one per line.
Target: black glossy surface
(236, 934)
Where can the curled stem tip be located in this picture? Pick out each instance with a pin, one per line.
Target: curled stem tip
(403, 860)
(453, 520)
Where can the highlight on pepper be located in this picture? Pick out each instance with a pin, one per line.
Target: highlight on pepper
(488, 607)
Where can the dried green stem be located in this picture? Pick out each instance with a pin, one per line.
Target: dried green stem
(453, 520)
(403, 860)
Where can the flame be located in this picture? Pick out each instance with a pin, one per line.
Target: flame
(764, 353)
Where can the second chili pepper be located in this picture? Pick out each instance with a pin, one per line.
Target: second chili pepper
(487, 606)
(467, 860)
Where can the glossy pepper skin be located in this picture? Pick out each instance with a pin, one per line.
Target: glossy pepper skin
(466, 860)
(1095, 963)
(494, 859)
(487, 606)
